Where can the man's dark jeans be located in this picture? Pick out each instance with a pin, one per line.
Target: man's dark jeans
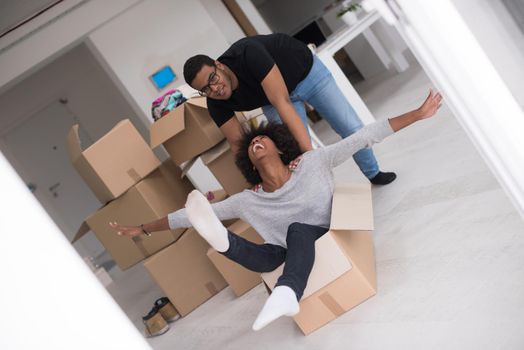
(299, 255)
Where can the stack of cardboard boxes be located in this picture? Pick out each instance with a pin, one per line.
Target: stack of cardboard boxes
(122, 171)
(136, 188)
(188, 132)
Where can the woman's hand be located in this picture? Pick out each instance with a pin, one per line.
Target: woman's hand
(430, 106)
(129, 231)
(427, 110)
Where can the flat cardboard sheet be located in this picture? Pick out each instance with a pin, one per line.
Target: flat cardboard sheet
(352, 207)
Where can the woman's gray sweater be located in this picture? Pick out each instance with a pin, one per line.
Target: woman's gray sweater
(306, 197)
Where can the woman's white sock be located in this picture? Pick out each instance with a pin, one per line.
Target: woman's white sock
(204, 220)
(281, 302)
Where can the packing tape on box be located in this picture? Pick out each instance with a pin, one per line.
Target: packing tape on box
(133, 174)
(211, 288)
(331, 304)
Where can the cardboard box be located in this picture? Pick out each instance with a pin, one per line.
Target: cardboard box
(114, 163)
(250, 119)
(184, 273)
(186, 131)
(343, 275)
(238, 277)
(162, 192)
(221, 162)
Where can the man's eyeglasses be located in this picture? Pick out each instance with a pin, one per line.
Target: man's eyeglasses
(214, 78)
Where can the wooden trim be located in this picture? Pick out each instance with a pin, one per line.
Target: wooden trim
(240, 17)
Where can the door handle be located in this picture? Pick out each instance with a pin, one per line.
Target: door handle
(53, 188)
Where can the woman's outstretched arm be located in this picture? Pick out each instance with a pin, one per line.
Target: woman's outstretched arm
(427, 110)
(229, 208)
(341, 151)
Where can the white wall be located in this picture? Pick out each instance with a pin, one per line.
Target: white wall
(52, 37)
(223, 19)
(500, 37)
(131, 38)
(77, 76)
(170, 32)
(94, 101)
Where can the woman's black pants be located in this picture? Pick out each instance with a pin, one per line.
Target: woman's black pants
(299, 255)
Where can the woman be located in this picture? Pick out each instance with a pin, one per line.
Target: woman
(289, 206)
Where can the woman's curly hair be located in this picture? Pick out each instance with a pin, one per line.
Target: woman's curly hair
(279, 134)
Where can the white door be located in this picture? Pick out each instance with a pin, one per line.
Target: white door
(42, 161)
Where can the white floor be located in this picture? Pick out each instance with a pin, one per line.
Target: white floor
(449, 253)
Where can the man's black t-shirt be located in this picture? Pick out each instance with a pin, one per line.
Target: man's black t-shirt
(251, 59)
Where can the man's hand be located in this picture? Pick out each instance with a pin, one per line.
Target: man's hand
(232, 130)
(430, 105)
(129, 231)
(276, 91)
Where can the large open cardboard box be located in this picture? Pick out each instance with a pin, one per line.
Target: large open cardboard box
(114, 163)
(184, 273)
(160, 193)
(186, 131)
(221, 162)
(343, 275)
(238, 277)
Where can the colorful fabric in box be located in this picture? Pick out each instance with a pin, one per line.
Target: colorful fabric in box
(166, 103)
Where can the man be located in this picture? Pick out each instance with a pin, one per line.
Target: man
(278, 73)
